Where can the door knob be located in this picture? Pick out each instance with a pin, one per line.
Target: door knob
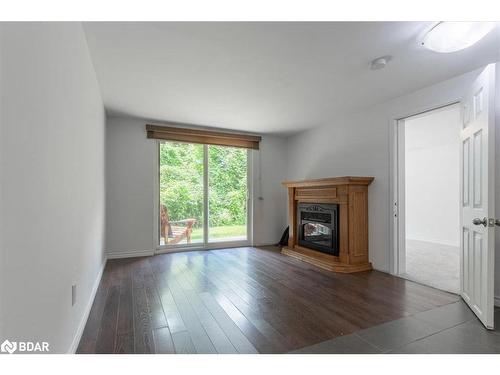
(478, 221)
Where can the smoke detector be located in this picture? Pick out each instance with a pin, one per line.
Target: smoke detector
(380, 62)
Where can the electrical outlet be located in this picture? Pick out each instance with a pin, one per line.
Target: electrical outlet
(73, 294)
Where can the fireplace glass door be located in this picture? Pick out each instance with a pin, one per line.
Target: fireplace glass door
(318, 227)
(317, 233)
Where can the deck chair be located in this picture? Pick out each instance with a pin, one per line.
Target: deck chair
(174, 231)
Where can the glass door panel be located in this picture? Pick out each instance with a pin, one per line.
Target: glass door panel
(227, 193)
(181, 194)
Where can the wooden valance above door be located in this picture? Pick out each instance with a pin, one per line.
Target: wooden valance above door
(203, 136)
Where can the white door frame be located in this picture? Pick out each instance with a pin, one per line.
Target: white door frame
(205, 245)
(397, 183)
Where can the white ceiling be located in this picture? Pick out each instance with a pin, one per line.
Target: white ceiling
(265, 77)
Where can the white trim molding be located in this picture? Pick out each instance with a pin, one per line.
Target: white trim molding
(86, 313)
(396, 179)
(265, 244)
(130, 254)
(200, 247)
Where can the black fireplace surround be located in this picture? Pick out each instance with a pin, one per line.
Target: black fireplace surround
(318, 227)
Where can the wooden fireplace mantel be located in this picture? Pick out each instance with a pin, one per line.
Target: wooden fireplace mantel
(351, 194)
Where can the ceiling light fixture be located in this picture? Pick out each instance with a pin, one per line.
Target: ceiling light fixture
(448, 37)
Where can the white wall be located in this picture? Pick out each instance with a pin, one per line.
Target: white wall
(432, 176)
(52, 197)
(131, 161)
(270, 218)
(130, 173)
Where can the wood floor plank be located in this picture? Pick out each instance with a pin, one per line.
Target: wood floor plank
(256, 319)
(183, 343)
(107, 332)
(158, 319)
(143, 333)
(349, 312)
(124, 343)
(237, 338)
(199, 337)
(265, 323)
(293, 321)
(191, 283)
(244, 300)
(259, 341)
(126, 309)
(305, 289)
(257, 301)
(163, 341)
(276, 320)
(219, 339)
(172, 314)
(299, 314)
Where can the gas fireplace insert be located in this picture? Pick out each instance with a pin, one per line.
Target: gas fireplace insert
(318, 227)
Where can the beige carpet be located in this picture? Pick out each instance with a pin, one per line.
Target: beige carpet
(433, 264)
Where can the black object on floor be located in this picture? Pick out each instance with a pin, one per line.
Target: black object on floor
(284, 238)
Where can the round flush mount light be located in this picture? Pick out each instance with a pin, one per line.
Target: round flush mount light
(448, 37)
(380, 63)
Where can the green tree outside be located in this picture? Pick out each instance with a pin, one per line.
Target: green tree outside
(181, 185)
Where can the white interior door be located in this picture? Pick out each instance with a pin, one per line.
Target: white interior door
(477, 192)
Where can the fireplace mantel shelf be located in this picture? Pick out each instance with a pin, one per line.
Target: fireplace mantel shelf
(351, 194)
(331, 181)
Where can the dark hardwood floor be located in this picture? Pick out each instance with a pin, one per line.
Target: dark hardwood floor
(244, 300)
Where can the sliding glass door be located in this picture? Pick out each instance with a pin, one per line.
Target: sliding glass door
(203, 196)
(181, 193)
(227, 194)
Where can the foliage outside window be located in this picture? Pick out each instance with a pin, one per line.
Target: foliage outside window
(181, 185)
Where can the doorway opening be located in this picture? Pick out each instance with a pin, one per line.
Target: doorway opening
(428, 198)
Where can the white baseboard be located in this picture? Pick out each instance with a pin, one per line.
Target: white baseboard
(145, 253)
(265, 244)
(218, 246)
(497, 301)
(86, 313)
(130, 254)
